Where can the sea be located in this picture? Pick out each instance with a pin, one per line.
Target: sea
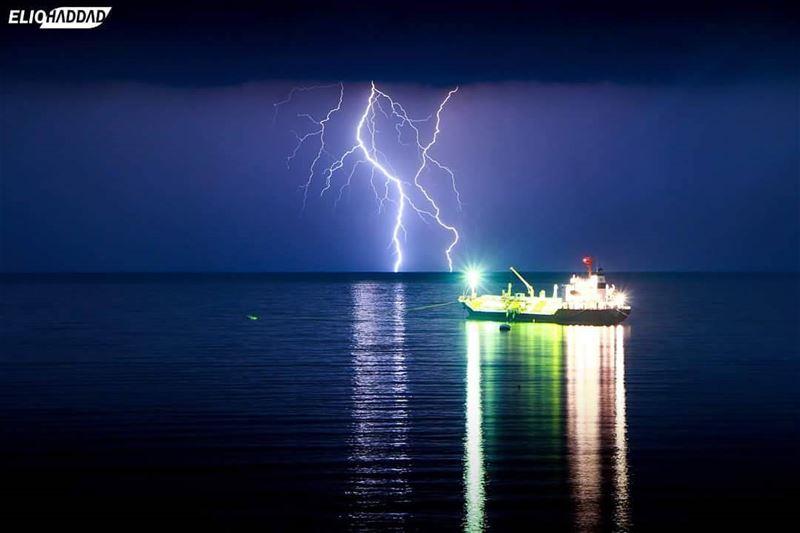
(367, 402)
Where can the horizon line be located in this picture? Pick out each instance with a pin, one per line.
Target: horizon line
(361, 272)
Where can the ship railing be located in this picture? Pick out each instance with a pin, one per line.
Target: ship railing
(592, 305)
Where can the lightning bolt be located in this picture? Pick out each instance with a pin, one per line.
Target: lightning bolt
(365, 151)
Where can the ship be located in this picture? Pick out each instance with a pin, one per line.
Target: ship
(585, 300)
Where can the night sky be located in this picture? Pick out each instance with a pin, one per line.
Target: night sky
(657, 138)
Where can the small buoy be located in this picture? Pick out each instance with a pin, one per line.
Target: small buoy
(505, 327)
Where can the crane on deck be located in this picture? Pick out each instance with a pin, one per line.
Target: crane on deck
(523, 280)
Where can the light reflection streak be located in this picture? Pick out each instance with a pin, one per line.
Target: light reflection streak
(621, 511)
(595, 407)
(379, 458)
(586, 388)
(473, 443)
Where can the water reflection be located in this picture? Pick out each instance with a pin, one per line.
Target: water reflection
(622, 510)
(596, 423)
(473, 442)
(567, 386)
(379, 443)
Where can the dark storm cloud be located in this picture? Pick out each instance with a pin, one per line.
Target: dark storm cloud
(428, 42)
(657, 137)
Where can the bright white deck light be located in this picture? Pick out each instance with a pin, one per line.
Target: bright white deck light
(473, 279)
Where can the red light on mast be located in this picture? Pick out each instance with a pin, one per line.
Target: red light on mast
(588, 261)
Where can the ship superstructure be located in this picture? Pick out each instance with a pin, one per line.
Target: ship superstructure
(585, 299)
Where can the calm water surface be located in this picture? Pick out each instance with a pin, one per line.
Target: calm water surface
(346, 406)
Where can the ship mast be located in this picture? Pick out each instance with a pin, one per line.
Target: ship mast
(523, 280)
(588, 261)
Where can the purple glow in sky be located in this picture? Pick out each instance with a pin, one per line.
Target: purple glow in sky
(141, 177)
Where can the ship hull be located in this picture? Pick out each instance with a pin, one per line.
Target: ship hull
(567, 317)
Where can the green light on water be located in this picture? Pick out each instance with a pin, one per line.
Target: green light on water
(497, 365)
